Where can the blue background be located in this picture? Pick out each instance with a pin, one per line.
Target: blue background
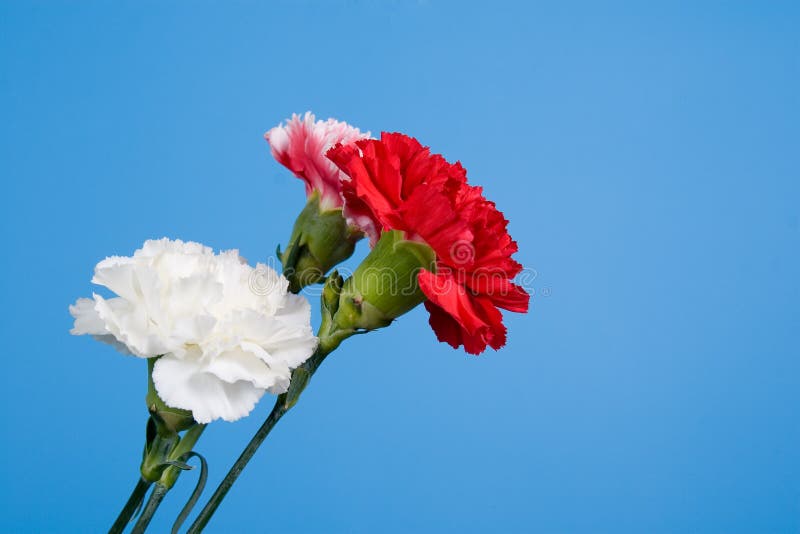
(645, 153)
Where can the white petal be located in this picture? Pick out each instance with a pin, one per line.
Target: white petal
(183, 384)
(282, 386)
(245, 363)
(295, 352)
(87, 321)
(193, 328)
(153, 248)
(296, 309)
(117, 274)
(277, 366)
(130, 325)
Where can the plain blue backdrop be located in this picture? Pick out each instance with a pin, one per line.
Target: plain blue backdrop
(645, 153)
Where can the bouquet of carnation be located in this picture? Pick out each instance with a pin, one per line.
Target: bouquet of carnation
(218, 333)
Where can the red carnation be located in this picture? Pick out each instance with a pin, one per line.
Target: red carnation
(397, 184)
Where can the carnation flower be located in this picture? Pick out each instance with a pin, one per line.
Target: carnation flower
(300, 146)
(321, 238)
(223, 331)
(396, 184)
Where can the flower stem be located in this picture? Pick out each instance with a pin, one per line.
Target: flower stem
(330, 337)
(159, 491)
(168, 475)
(134, 501)
(284, 403)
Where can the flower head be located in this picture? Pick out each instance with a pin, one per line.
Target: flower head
(397, 184)
(224, 332)
(300, 146)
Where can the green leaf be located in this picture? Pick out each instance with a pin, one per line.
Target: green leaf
(198, 490)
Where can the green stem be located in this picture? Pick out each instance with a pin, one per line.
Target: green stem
(134, 501)
(285, 402)
(330, 337)
(168, 476)
(159, 491)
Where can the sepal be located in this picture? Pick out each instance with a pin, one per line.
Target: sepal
(385, 285)
(321, 239)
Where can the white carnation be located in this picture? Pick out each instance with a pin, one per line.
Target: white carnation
(226, 332)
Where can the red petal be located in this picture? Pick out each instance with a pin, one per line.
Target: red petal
(447, 330)
(429, 214)
(501, 291)
(495, 333)
(444, 291)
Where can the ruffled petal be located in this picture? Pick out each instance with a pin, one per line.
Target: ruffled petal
(87, 321)
(500, 290)
(446, 328)
(117, 274)
(444, 290)
(246, 362)
(300, 146)
(129, 325)
(184, 384)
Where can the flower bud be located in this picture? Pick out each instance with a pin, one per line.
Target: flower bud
(385, 285)
(320, 240)
(157, 448)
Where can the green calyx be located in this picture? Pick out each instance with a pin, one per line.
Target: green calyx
(384, 286)
(331, 331)
(320, 240)
(165, 454)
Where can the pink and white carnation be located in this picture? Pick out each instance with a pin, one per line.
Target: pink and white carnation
(223, 331)
(300, 146)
